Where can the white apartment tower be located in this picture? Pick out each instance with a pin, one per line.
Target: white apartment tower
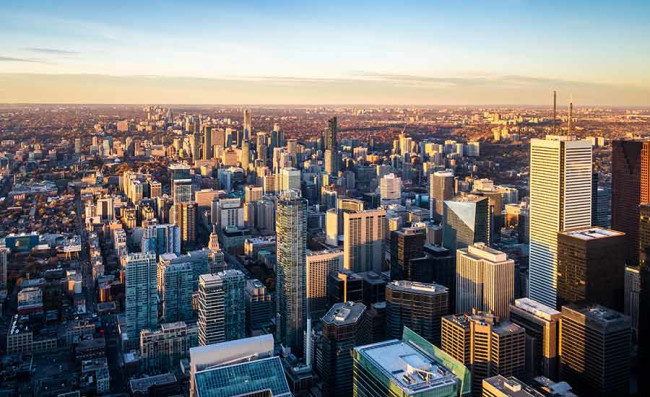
(560, 199)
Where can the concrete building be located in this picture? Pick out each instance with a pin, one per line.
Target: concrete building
(560, 199)
(364, 233)
(259, 306)
(500, 386)
(222, 314)
(485, 280)
(542, 325)
(175, 288)
(390, 189)
(319, 265)
(441, 189)
(162, 349)
(487, 345)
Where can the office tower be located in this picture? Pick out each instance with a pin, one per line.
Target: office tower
(591, 266)
(595, 349)
(289, 179)
(195, 144)
(418, 306)
(329, 141)
(253, 193)
(630, 187)
(248, 124)
(4, 258)
(441, 189)
(364, 233)
(222, 314)
(465, 221)
(344, 286)
(485, 280)
(560, 199)
(245, 155)
(155, 189)
(390, 189)
(407, 367)
(488, 345)
(331, 162)
(244, 367)
(319, 265)
(443, 264)
(600, 213)
(405, 245)
(344, 327)
(176, 286)
(542, 325)
(643, 366)
(500, 386)
(291, 305)
(259, 306)
(77, 145)
(374, 287)
(161, 350)
(140, 293)
(181, 190)
(185, 219)
(207, 142)
(179, 171)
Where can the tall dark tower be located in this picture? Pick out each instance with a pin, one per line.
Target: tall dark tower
(330, 135)
(554, 111)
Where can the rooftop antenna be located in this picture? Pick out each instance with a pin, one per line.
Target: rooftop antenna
(554, 110)
(570, 115)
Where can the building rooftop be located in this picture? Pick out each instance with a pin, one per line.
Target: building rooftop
(263, 375)
(596, 316)
(511, 387)
(409, 368)
(592, 233)
(414, 286)
(538, 309)
(482, 251)
(142, 385)
(344, 313)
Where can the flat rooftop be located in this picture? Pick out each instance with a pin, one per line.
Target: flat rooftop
(142, 385)
(592, 233)
(344, 313)
(414, 286)
(511, 387)
(536, 308)
(407, 367)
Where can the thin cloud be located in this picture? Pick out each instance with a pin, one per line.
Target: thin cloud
(54, 51)
(14, 59)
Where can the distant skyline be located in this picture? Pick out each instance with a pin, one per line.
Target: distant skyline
(335, 52)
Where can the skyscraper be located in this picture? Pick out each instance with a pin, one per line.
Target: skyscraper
(207, 142)
(258, 306)
(595, 350)
(485, 280)
(319, 265)
(390, 187)
(247, 124)
(222, 311)
(630, 187)
(560, 199)
(176, 283)
(441, 188)
(329, 140)
(405, 245)
(181, 190)
(363, 238)
(542, 325)
(4, 258)
(291, 230)
(466, 220)
(344, 327)
(185, 218)
(591, 266)
(331, 162)
(418, 306)
(141, 294)
(488, 345)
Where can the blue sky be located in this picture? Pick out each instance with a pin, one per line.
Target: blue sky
(586, 47)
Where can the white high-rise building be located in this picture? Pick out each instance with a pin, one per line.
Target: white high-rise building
(560, 199)
(390, 188)
(289, 179)
(485, 280)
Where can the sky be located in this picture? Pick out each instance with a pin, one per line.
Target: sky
(329, 52)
